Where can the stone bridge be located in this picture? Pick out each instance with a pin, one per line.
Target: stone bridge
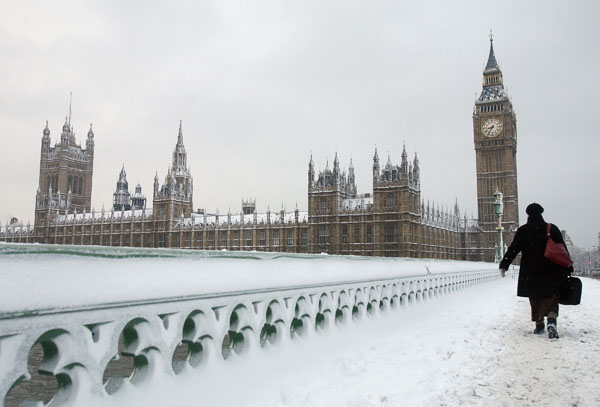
(102, 327)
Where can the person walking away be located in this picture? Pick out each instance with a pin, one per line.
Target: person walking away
(539, 278)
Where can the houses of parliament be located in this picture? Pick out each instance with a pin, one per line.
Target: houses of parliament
(391, 220)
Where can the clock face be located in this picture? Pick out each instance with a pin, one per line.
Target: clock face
(491, 127)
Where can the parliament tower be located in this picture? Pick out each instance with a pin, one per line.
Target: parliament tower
(65, 181)
(495, 136)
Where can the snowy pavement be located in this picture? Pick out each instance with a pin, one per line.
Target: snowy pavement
(470, 348)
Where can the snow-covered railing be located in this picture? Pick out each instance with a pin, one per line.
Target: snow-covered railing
(99, 320)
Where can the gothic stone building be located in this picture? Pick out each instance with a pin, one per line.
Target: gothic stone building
(391, 220)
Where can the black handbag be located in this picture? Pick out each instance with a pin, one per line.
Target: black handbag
(570, 292)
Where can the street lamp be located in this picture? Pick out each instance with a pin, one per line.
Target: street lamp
(593, 263)
(499, 209)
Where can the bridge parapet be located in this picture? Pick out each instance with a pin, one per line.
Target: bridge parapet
(90, 351)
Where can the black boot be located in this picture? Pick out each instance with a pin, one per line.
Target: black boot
(552, 332)
(539, 327)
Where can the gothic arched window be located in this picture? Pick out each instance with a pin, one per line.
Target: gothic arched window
(69, 182)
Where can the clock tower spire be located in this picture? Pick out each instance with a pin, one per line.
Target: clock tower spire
(495, 137)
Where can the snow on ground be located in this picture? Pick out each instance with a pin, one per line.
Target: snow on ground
(470, 348)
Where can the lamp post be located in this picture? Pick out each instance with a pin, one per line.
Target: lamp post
(592, 261)
(499, 209)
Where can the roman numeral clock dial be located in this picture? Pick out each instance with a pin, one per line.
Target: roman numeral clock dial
(491, 127)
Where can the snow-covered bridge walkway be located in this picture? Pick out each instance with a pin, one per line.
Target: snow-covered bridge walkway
(467, 344)
(474, 348)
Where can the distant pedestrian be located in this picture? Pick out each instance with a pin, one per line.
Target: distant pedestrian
(539, 278)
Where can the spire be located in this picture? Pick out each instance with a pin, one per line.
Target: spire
(179, 164)
(492, 64)
(156, 184)
(404, 163)
(67, 126)
(336, 169)
(351, 177)
(416, 172)
(180, 135)
(65, 136)
(89, 143)
(375, 166)
(311, 171)
(46, 130)
(70, 102)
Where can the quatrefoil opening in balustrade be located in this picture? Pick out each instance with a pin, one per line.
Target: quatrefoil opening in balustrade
(270, 333)
(343, 309)
(323, 316)
(358, 309)
(394, 299)
(135, 359)
(383, 304)
(384, 299)
(191, 351)
(49, 370)
(298, 326)
(239, 333)
(371, 307)
(373, 302)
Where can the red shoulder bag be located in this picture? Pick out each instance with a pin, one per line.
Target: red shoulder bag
(556, 252)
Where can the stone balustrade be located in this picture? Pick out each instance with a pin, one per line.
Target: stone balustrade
(81, 353)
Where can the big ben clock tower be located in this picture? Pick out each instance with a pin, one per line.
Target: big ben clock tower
(495, 136)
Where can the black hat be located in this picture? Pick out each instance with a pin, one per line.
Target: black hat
(534, 209)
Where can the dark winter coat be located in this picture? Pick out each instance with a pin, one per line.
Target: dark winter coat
(538, 276)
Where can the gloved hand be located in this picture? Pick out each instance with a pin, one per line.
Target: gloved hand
(502, 272)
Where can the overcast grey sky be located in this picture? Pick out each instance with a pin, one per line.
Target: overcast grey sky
(259, 85)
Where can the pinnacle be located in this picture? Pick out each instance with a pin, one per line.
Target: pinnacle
(492, 63)
(180, 134)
